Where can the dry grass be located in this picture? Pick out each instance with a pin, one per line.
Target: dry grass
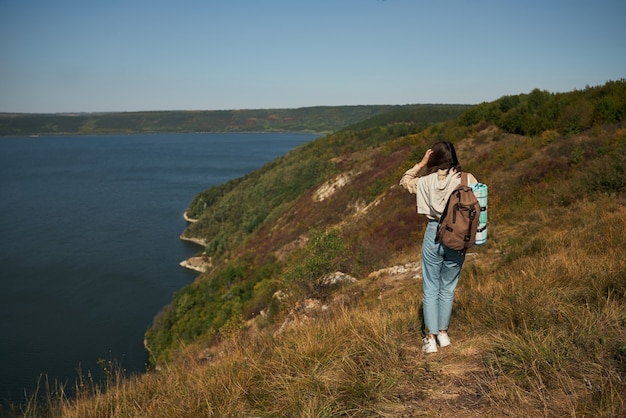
(557, 315)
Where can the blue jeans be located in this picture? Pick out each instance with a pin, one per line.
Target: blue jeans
(441, 268)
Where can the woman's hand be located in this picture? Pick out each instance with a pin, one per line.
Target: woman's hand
(425, 158)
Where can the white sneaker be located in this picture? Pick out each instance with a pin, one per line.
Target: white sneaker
(443, 339)
(430, 345)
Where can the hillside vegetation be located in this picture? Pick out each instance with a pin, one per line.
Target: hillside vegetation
(539, 319)
(320, 119)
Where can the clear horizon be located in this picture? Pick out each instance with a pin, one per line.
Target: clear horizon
(118, 56)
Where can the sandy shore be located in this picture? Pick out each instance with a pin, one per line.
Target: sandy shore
(198, 241)
(188, 219)
(199, 264)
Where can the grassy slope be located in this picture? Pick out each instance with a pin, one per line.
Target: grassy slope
(539, 324)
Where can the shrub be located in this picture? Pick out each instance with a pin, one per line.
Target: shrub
(325, 253)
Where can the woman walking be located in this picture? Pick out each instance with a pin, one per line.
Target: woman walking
(441, 266)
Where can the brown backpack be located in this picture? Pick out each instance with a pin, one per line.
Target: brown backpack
(459, 220)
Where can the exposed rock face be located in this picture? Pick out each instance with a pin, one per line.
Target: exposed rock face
(198, 241)
(329, 188)
(336, 278)
(410, 269)
(201, 264)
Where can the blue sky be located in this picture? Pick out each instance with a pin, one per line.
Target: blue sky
(132, 55)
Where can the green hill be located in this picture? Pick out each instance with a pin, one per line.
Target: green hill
(320, 119)
(539, 320)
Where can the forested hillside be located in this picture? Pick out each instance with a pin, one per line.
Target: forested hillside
(320, 119)
(246, 223)
(311, 302)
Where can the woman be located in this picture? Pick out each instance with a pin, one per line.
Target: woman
(441, 266)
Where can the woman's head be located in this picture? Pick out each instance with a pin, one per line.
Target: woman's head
(443, 157)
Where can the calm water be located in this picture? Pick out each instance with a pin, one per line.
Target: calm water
(89, 246)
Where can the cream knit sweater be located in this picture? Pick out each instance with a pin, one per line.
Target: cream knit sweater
(433, 190)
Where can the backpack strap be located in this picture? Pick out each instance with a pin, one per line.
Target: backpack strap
(464, 178)
(465, 182)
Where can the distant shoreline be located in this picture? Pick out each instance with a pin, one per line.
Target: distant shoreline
(78, 134)
(317, 120)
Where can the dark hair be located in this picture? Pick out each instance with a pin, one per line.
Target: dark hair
(443, 157)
